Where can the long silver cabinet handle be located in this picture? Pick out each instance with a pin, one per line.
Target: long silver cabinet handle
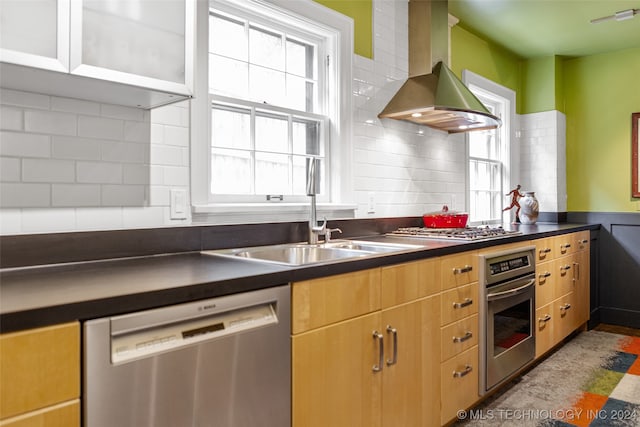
(378, 336)
(544, 319)
(394, 332)
(466, 302)
(460, 374)
(565, 307)
(545, 251)
(576, 271)
(465, 269)
(463, 338)
(544, 275)
(583, 241)
(565, 267)
(565, 246)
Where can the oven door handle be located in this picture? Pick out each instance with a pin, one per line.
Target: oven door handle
(510, 292)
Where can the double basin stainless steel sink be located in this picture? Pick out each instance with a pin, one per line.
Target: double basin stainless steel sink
(297, 254)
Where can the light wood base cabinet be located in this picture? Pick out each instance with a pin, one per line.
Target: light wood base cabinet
(39, 371)
(459, 377)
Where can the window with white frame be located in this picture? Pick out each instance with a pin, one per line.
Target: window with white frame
(489, 154)
(272, 97)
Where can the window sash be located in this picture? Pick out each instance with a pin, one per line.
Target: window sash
(485, 190)
(292, 158)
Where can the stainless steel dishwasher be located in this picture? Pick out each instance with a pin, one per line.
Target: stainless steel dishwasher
(219, 362)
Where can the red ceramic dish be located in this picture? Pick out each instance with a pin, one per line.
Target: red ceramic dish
(445, 219)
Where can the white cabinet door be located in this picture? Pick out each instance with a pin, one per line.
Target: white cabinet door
(143, 43)
(35, 33)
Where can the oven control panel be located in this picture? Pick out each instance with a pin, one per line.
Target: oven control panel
(509, 264)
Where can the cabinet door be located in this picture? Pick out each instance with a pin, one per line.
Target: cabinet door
(459, 384)
(410, 380)
(564, 273)
(459, 303)
(39, 368)
(333, 380)
(564, 316)
(66, 414)
(136, 42)
(544, 329)
(459, 269)
(35, 33)
(581, 271)
(546, 283)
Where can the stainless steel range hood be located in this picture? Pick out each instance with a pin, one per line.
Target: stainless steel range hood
(435, 96)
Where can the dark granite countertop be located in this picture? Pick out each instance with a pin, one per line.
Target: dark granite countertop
(46, 295)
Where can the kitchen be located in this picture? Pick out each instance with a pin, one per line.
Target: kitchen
(395, 174)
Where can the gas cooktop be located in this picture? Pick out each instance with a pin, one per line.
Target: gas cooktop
(467, 233)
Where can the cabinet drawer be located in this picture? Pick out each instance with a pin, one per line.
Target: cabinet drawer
(65, 414)
(459, 383)
(546, 278)
(545, 249)
(320, 302)
(459, 269)
(39, 368)
(564, 273)
(459, 303)
(564, 314)
(565, 244)
(582, 239)
(458, 337)
(407, 282)
(545, 317)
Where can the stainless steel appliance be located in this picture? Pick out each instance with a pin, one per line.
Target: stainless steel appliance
(467, 233)
(507, 310)
(220, 362)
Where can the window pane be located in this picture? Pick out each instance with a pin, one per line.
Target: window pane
(265, 48)
(306, 137)
(300, 59)
(230, 128)
(266, 85)
(272, 174)
(300, 175)
(300, 94)
(227, 38)
(228, 77)
(230, 171)
(272, 134)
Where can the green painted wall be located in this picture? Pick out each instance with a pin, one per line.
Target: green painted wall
(538, 85)
(470, 52)
(601, 92)
(362, 13)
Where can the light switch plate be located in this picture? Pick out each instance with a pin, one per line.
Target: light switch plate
(178, 204)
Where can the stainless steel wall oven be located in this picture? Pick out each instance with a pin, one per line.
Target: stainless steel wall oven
(507, 310)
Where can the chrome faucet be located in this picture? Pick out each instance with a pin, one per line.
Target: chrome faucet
(313, 188)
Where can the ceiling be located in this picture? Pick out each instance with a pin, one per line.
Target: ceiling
(537, 28)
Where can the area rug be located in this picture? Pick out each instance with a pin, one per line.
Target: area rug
(593, 380)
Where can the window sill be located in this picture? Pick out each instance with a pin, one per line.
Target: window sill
(248, 213)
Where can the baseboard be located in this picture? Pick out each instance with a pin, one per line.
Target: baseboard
(620, 317)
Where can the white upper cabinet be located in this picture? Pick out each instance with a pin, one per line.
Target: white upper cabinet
(135, 52)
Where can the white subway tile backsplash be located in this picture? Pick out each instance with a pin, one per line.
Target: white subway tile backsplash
(50, 122)
(48, 220)
(69, 147)
(24, 144)
(133, 217)
(175, 176)
(11, 118)
(135, 174)
(124, 195)
(101, 218)
(74, 195)
(159, 196)
(9, 169)
(124, 152)
(77, 106)
(121, 112)
(99, 172)
(137, 131)
(173, 115)
(48, 170)
(10, 221)
(175, 135)
(24, 195)
(100, 127)
(24, 99)
(167, 155)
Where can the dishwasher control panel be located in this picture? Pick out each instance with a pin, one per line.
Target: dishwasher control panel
(170, 335)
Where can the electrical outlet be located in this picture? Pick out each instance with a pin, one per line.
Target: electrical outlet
(371, 203)
(178, 200)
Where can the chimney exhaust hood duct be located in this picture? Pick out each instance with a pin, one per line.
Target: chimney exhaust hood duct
(435, 96)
